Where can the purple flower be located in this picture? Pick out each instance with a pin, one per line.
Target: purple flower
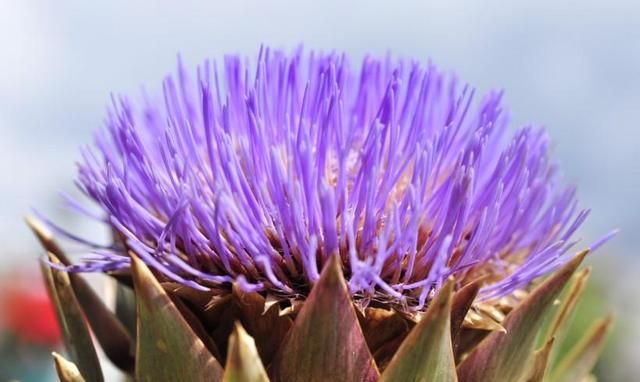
(258, 173)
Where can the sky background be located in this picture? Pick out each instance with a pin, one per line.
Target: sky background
(572, 67)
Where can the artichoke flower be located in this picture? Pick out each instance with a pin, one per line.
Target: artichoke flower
(293, 219)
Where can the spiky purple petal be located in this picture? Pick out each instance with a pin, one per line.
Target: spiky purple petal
(260, 175)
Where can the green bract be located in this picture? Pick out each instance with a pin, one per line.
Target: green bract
(183, 334)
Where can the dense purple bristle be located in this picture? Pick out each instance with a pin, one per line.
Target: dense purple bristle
(258, 175)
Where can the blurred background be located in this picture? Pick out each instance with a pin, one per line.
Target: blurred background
(572, 66)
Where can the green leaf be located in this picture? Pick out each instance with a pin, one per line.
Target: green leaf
(427, 354)
(577, 364)
(540, 361)
(504, 356)
(243, 361)
(67, 371)
(325, 342)
(75, 331)
(167, 349)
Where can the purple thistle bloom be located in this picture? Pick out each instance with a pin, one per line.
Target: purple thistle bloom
(259, 175)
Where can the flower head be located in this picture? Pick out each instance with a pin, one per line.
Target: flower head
(258, 174)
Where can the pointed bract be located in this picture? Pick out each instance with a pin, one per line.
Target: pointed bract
(267, 327)
(125, 308)
(564, 313)
(462, 301)
(426, 354)
(540, 363)
(108, 330)
(478, 320)
(243, 361)
(67, 371)
(325, 342)
(580, 360)
(45, 237)
(384, 330)
(111, 334)
(503, 356)
(75, 332)
(167, 348)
